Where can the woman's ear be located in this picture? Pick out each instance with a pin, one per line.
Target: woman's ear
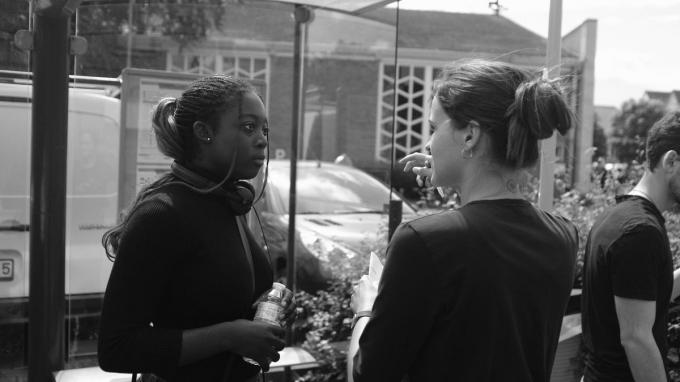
(203, 132)
(473, 135)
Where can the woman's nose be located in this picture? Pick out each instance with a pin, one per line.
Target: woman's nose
(261, 140)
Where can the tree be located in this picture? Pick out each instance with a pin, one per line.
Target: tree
(106, 25)
(13, 17)
(599, 140)
(631, 125)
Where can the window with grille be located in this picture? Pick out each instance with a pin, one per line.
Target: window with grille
(413, 89)
(253, 68)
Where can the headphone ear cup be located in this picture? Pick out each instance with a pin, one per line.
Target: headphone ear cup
(241, 198)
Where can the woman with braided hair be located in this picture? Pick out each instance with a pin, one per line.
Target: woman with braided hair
(478, 293)
(187, 271)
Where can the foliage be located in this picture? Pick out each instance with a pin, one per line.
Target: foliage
(107, 26)
(599, 140)
(324, 324)
(582, 209)
(13, 17)
(673, 335)
(631, 124)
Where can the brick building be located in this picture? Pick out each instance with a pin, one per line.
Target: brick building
(349, 73)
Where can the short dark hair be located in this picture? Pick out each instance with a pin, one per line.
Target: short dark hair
(663, 137)
(514, 107)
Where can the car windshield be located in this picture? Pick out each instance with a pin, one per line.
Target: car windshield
(331, 190)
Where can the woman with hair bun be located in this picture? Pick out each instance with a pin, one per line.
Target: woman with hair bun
(178, 305)
(478, 293)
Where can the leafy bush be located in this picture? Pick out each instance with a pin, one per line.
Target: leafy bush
(324, 326)
(325, 317)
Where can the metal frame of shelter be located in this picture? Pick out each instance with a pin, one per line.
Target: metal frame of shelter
(51, 44)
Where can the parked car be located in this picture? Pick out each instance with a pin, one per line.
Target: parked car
(341, 216)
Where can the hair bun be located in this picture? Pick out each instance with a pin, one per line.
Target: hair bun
(168, 136)
(540, 108)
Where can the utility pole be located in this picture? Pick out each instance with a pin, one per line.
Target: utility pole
(303, 16)
(552, 62)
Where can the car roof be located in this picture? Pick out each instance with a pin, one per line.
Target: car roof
(282, 164)
(285, 163)
(80, 99)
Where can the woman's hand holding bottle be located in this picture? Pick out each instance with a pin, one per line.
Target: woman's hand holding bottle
(256, 340)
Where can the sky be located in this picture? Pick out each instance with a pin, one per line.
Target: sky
(638, 42)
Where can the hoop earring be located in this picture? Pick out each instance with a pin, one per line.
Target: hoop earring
(464, 153)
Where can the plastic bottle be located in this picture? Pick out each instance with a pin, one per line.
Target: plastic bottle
(268, 310)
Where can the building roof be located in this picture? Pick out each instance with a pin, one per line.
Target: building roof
(462, 32)
(658, 96)
(349, 6)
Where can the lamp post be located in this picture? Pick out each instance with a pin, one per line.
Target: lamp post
(303, 15)
(553, 59)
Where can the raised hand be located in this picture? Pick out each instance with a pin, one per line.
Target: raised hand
(419, 164)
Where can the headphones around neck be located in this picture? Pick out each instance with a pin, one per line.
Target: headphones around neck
(239, 195)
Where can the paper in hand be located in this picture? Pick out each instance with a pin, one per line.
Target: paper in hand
(375, 268)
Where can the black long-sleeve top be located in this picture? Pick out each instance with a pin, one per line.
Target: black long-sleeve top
(473, 295)
(180, 265)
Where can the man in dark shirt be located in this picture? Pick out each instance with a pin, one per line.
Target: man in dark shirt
(628, 270)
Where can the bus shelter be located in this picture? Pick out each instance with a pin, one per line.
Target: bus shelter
(53, 39)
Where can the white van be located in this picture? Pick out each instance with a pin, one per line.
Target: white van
(92, 189)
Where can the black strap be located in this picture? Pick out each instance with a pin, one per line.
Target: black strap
(246, 247)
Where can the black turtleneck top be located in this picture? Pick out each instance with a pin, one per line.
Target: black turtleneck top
(180, 265)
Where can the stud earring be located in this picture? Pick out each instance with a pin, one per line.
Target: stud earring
(465, 153)
(209, 139)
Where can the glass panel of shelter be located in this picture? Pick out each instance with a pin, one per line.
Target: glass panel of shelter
(340, 104)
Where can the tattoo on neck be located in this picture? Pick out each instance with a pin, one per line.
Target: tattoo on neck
(513, 185)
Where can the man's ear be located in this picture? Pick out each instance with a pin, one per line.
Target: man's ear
(203, 132)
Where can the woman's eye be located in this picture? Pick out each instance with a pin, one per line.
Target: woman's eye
(249, 128)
